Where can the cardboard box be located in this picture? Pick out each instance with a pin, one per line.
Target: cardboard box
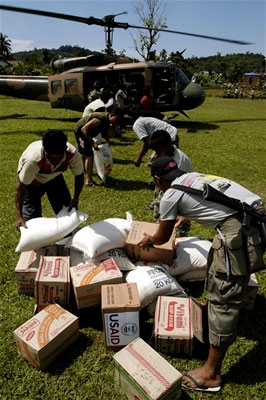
(28, 264)
(163, 253)
(143, 374)
(87, 280)
(120, 311)
(26, 270)
(177, 320)
(251, 293)
(42, 338)
(52, 283)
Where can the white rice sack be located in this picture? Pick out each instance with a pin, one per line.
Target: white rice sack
(120, 257)
(103, 159)
(152, 281)
(41, 232)
(190, 253)
(97, 238)
(195, 275)
(97, 139)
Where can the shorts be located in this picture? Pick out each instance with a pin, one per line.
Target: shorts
(84, 146)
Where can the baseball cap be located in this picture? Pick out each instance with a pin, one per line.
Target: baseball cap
(165, 167)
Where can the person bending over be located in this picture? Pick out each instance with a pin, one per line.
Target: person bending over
(87, 128)
(231, 258)
(40, 171)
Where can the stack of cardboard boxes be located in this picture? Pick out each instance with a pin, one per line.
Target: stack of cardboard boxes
(141, 372)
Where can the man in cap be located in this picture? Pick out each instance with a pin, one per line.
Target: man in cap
(144, 127)
(87, 128)
(161, 143)
(40, 171)
(230, 262)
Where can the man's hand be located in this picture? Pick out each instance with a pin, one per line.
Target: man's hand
(20, 222)
(73, 204)
(95, 146)
(179, 221)
(144, 241)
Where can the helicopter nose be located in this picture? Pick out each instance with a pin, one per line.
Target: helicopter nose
(193, 96)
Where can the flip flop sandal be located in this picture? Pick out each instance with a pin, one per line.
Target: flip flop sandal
(149, 206)
(91, 184)
(198, 387)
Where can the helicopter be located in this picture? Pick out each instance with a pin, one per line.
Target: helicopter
(74, 78)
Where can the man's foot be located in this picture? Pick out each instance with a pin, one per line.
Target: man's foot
(91, 184)
(195, 380)
(150, 206)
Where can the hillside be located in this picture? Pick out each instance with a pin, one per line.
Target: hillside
(248, 62)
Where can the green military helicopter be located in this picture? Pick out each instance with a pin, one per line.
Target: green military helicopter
(75, 77)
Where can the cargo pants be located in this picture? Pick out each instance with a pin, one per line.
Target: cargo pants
(225, 293)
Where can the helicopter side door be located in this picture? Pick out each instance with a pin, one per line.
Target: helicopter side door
(66, 91)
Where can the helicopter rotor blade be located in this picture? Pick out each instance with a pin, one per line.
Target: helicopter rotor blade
(88, 21)
(109, 22)
(192, 34)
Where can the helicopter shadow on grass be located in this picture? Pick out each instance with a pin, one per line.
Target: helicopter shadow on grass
(252, 365)
(73, 120)
(12, 116)
(195, 126)
(222, 121)
(22, 116)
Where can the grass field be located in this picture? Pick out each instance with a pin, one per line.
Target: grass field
(224, 137)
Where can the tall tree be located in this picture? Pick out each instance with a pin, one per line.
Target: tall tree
(5, 46)
(152, 14)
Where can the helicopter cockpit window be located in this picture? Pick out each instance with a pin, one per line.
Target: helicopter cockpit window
(71, 85)
(56, 86)
(182, 80)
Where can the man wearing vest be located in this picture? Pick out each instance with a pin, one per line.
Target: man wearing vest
(231, 259)
(87, 128)
(40, 171)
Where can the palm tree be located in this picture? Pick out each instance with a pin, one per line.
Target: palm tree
(5, 46)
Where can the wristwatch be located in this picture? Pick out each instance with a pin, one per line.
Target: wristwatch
(149, 243)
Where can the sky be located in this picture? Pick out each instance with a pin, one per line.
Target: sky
(232, 19)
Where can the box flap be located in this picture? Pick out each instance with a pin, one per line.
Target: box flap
(196, 319)
(120, 295)
(29, 260)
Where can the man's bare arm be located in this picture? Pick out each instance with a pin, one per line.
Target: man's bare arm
(19, 199)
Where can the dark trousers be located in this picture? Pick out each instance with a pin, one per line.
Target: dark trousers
(57, 193)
